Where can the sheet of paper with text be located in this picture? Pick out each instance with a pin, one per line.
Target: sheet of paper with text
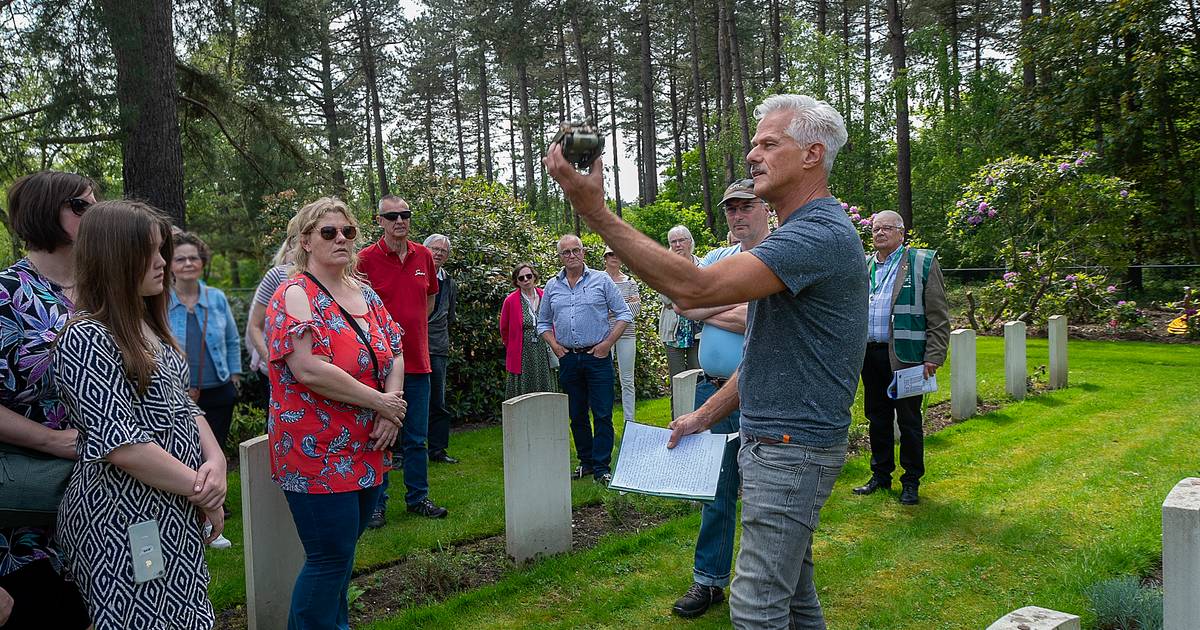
(688, 471)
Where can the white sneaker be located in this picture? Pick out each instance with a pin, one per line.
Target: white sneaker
(221, 542)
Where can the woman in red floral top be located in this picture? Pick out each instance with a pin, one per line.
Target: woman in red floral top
(336, 406)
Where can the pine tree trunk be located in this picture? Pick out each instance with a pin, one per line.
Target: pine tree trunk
(900, 81)
(677, 151)
(329, 109)
(526, 132)
(725, 106)
(369, 172)
(822, 16)
(143, 45)
(1045, 72)
(698, 105)
(485, 113)
(458, 116)
(374, 117)
(868, 133)
(955, 55)
(581, 58)
(512, 139)
(738, 81)
(612, 118)
(649, 144)
(1028, 71)
(776, 45)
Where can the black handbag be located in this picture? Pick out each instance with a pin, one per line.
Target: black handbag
(31, 486)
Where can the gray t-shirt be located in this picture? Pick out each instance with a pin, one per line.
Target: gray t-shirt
(805, 345)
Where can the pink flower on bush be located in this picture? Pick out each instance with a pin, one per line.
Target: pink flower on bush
(1008, 285)
(974, 220)
(1064, 167)
(1112, 288)
(1071, 278)
(1079, 162)
(1010, 276)
(1120, 302)
(866, 221)
(988, 180)
(991, 213)
(983, 206)
(1026, 254)
(1112, 323)
(1124, 194)
(961, 203)
(845, 206)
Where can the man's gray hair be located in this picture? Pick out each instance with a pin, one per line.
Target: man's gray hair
(813, 121)
(680, 229)
(434, 238)
(892, 214)
(390, 197)
(567, 237)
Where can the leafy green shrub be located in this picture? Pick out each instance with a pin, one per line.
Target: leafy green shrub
(1125, 315)
(1122, 604)
(249, 421)
(656, 219)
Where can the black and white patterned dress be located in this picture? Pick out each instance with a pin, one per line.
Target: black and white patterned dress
(102, 501)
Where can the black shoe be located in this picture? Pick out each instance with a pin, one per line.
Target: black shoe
(697, 600)
(377, 519)
(580, 472)
(427, 509)
(603, 480)
(442, 458)
(871, 486)
(908, 496)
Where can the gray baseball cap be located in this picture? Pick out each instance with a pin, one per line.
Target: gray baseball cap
(739, 189)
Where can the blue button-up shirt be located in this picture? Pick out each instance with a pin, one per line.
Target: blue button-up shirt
(880, 313)
(579, 314)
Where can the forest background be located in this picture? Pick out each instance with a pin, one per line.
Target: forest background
(1054, 140)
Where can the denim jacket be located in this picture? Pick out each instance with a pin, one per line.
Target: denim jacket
(221, 340)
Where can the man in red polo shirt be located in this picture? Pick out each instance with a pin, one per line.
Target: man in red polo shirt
(403, 274)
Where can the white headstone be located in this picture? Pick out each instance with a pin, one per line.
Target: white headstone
(1036, 618)
(1181, 556)
(1058, 351)
(537, 476)
(683, 392)
(963, 393)
(1014, 359)
(273, 551)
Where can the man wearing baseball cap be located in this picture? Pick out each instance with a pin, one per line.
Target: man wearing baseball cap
(721, 342)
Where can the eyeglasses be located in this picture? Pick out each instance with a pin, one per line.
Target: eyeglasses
(574, 251)
(525, 276)
(79, 205)
(884, 228)
(392, 216)
(330, 232)
(745, 208)
(183, 260)
(679, 241)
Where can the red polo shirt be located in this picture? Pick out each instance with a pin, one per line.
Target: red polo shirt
(404, 287)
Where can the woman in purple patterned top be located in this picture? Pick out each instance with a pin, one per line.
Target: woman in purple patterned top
(36, 299)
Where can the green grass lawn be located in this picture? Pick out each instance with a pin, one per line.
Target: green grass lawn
(1026, 505)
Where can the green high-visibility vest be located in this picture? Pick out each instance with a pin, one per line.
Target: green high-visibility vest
(908, 312)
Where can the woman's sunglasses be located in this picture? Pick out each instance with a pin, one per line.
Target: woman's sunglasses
(525, 276)
(79, 205)
(330, 232)
(392, 216)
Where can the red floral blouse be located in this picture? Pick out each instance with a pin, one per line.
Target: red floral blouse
(320, 445)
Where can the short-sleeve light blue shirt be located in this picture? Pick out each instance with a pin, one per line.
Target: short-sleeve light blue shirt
(579, 314)
(720, 349)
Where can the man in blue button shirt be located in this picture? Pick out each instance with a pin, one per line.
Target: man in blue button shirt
(573, 319)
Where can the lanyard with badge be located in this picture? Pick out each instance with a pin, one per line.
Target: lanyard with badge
(888, 269)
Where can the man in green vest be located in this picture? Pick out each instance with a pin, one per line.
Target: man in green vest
(908, 325)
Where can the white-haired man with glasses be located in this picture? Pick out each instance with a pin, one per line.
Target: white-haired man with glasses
(805, 340)
(909, 326)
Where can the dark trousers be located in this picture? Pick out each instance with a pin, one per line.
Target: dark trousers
(588, 383)
(413, 443)
(439, 414)
(217, 404)
(880, 410)
(329, 526)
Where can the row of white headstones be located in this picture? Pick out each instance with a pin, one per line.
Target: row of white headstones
(537, 493)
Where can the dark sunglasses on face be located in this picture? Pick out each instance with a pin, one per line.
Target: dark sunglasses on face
(79, 205)
(392, 216)
(525, 276)
(330, 232)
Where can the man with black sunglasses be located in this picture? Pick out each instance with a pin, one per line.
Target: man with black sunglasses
(403, 273)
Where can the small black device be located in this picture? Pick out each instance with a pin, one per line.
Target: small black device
(581, 143)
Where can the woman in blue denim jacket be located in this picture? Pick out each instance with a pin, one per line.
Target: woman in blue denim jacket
(199, 311)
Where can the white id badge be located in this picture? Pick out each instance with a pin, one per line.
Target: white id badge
(146, 548)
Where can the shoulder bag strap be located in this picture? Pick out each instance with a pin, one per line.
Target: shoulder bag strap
(362, 336)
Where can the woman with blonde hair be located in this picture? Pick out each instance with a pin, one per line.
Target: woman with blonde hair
(337, 375)
(148, 461)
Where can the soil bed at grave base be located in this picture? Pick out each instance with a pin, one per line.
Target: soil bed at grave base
(429, 577)
(1155, 330)
(935, 418)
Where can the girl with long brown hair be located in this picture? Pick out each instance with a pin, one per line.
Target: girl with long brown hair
(147, 458)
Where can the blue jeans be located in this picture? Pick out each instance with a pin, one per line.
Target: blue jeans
(588, 383)
(718, 519)
(784, 487)
(329, 526)
(439, 415)
(412, 442)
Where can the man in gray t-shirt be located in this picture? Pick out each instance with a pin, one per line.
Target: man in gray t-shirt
(805, 341)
